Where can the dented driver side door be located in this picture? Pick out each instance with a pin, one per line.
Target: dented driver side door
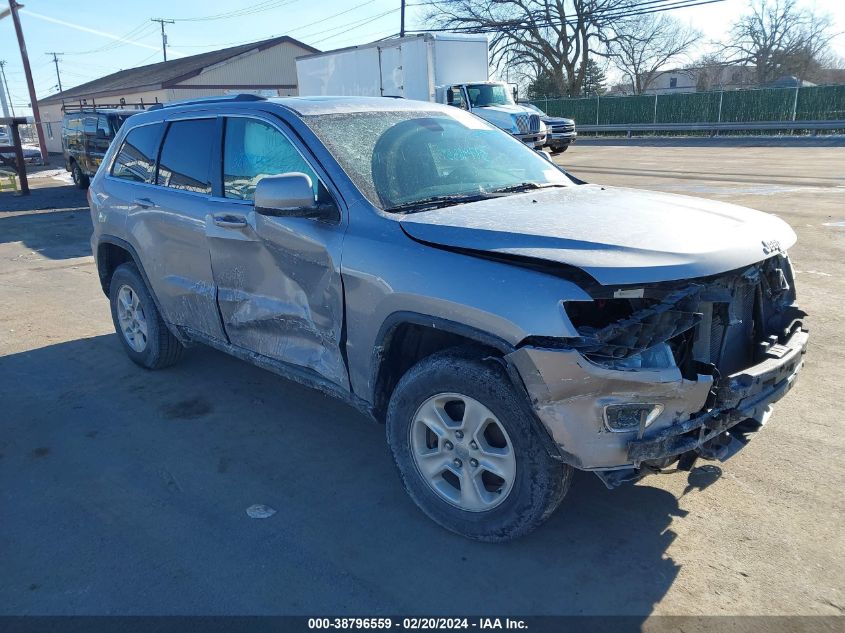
(279, 287)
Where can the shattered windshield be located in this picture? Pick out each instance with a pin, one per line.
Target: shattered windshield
(399, 159)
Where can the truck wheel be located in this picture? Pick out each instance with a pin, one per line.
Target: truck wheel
(138, 323)
(560, 150)
(468, 451)
(80, 180)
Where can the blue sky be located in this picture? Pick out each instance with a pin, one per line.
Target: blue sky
(99, 38)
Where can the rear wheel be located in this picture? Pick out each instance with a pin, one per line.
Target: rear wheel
(80, 180)
(138, 324)
(468, 451)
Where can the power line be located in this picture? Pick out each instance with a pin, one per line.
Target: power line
(266, 5)
(132, 36)
(604, 14)
(289, 31)
(349, 27)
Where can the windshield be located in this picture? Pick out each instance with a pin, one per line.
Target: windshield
(401, 158)
(482, 95)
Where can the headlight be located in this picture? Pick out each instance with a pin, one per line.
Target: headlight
(658, 357)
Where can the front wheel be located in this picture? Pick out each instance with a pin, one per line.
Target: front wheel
(468, 451)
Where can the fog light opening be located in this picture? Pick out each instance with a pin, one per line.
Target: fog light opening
(625, 418)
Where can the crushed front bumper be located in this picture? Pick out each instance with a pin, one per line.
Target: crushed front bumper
(747, 394)
(569, 394)
(559, 140)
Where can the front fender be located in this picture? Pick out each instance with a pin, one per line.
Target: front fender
(385, 272)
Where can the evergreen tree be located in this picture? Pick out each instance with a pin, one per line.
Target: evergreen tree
(594, 79)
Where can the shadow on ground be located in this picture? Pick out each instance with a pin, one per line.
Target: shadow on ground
(126, 492)
(64, 197)
(60, 228)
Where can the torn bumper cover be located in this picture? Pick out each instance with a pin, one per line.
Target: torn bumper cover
(570, 394)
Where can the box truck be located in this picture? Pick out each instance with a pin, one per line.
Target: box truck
(443, 67)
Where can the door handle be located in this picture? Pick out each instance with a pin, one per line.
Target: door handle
(230, 221)
(144, 203)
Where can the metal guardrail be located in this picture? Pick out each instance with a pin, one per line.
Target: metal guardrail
(714, 128)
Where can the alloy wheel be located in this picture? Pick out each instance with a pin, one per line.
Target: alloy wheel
(133, 321)
(463, 452)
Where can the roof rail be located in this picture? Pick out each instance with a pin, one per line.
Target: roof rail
(242, 96)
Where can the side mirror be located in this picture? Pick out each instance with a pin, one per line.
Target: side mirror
(290, 196)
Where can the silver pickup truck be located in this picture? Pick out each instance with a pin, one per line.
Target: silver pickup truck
(507, 322)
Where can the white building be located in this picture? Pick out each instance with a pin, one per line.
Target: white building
(267, 67)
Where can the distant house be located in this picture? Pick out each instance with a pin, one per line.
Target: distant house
(693, 79)
(267, 67)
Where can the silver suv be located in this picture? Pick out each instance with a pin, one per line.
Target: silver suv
(506, 321)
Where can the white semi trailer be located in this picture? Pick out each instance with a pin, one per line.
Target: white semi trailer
(444, 68)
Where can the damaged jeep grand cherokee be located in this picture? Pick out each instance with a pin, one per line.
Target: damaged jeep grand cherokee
(506, 321)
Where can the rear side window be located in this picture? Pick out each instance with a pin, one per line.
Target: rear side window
(186, 156)
(253, 150)
(136, 158)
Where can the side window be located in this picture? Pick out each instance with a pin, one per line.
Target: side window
(253, 150)
(455, 97)
(185, 161)
(89, 125)
(103, 130)
(136, 158)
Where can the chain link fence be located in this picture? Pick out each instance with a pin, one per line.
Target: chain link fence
(815, 103)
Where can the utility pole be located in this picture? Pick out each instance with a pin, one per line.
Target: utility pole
(163, 34)
(402, 22)
(56, 62)
(33, 100)
(4, 91)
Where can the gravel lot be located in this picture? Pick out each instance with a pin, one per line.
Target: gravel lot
(125, 491)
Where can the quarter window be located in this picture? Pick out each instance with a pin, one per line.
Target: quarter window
(186, 156)
(137, 156)
(252, 150)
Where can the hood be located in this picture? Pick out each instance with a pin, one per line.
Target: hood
(507, 109)
(557, 120)
(502, 115)
(617, 236)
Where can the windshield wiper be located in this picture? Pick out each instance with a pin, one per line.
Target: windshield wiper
(435, 202)
(524, 186)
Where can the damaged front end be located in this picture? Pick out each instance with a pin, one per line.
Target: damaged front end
(667, 370)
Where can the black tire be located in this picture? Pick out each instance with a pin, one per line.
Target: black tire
(560, 150)
(80, 180)
(540, 483)
(162, 349)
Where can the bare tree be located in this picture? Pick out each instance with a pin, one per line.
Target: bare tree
(778, 38)
(552, 38)
(643, 44)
